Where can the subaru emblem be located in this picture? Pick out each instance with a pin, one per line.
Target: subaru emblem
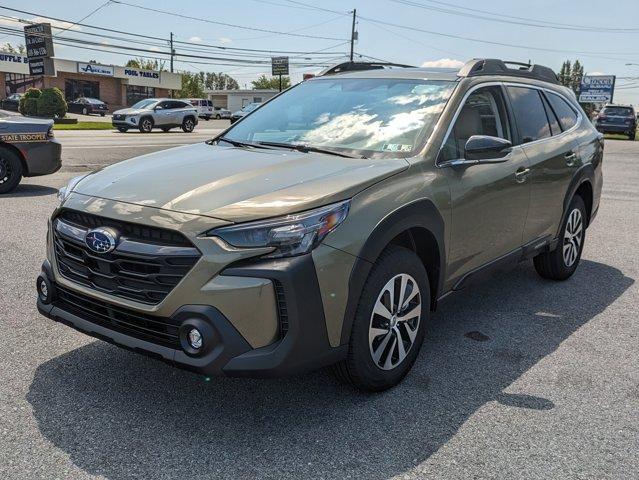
(101, 240)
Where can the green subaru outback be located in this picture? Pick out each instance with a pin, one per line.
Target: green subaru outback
(324, 227)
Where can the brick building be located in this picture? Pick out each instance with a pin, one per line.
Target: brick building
(115, 85)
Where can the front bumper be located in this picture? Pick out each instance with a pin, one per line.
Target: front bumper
(302, 346)
(42, 158)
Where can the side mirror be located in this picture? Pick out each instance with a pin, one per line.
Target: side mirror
(486, 148)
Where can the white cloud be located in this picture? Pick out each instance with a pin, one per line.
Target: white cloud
(595, 73)
(225, 40)
(54, 23)
(195, 39)
(443, 63)
(155, 49)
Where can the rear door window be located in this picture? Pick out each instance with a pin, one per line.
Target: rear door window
(566, 114)
(529, 113)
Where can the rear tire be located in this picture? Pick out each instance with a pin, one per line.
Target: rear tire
(102, 114)
(389, 328)
(146, 125)
(85, 111)
(188, 124)
(10, 170)
(562, 262)
(631, 135)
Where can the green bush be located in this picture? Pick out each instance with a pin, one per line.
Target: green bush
(51, 103)
(28, 102)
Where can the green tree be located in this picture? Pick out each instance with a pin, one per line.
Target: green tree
(571, 74)
(220, 81)
(51, 103)
(29, 102)
(192, 86)
(7, 47)
(273, 83)
(146, 64)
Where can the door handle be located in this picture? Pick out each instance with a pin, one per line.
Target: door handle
(571, 158)
(520, 175)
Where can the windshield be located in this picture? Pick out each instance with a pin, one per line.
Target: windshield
(373, 116)
(144, 104)
(618, 111)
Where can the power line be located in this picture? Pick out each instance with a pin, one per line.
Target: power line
(214, 22)
(150, 37)
(500, 17)
(95, 10)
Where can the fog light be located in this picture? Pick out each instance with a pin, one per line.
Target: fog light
(195, 338)
(44, 291)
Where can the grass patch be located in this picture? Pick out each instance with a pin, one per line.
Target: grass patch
(84, 126)
(614, 136)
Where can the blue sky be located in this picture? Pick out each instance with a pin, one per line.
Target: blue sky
(602, 50)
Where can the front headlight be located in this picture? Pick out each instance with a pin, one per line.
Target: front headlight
(291, 235)
(65, 191)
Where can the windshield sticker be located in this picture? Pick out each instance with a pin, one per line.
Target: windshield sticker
(397, 147)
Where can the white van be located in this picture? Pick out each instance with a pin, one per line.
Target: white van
(204, 107)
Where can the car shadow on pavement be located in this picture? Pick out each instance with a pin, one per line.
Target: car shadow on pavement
(30, 190)
(122, 415)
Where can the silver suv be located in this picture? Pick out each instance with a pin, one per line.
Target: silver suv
(163, 113)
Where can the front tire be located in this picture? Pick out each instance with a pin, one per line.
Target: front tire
(188, 124)
(562, 262)
(122, 129)
(146, 125)
(631, 135)
(10, 170)
(390, 322)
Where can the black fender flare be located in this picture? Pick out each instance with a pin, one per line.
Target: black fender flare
(419, 214)
(585, 174)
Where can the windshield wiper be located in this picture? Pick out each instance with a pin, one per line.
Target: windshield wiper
(236, 143)
(309, 148)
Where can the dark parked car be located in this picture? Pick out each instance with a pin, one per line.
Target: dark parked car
(246, 109)
(87, 106)
(12, 102)
(620, 119)
(27, 149)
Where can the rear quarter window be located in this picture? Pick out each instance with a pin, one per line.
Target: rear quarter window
(565, 113)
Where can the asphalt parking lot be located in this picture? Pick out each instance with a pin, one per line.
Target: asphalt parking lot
(518, 378)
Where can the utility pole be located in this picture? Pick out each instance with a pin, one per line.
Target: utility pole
(353, 33)
(172, 51)
(172, 54)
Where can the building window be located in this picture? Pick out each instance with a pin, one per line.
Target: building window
(135, 93)
(81, 88)
(19, 83)
(257, 99)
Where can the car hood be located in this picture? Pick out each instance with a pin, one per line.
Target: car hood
(236, 184)
(130, 111)
(8, 120)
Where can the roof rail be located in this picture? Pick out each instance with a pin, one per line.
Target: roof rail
(359, 66)
(492, 66)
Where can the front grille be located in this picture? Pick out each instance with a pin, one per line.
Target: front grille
(282, 312)
(147, 264)
(158, 330)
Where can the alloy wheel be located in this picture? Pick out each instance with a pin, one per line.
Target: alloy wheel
(395, 321)
(146, 125)
(188, 125)
(573, 236)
